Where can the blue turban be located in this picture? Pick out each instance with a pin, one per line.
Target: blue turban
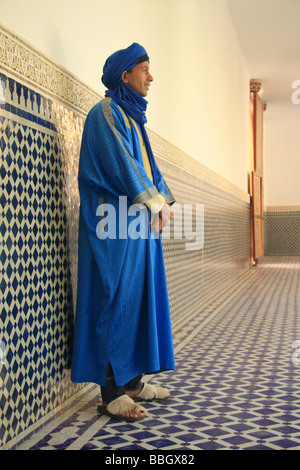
(120, 61)
(126, 97)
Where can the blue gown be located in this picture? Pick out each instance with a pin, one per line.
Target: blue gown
(122, 312)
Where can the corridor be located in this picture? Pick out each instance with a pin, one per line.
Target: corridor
(236, 385)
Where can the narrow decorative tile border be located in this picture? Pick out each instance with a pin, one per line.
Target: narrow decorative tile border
(19, 58)
(39, 72)
(278, 209)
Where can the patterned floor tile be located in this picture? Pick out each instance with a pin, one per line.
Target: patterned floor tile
(235, 384)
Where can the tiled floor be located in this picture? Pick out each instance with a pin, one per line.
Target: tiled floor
(236, 386)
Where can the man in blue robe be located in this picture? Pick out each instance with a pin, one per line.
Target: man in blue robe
(123, 325)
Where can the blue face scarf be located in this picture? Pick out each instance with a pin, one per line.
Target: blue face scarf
(126, 97)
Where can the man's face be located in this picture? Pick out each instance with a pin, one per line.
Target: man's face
(139, 79)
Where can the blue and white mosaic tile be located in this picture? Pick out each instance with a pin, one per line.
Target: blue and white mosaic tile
(36, 259)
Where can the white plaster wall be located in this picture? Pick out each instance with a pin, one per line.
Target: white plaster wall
(199, 100)
(282, 161)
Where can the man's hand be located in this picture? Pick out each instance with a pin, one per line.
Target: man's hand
(166, 214)
(160, 220)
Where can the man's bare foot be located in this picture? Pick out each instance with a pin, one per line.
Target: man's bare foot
(128, 414)
(124, 409)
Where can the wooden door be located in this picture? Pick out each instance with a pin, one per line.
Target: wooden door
(256, 186)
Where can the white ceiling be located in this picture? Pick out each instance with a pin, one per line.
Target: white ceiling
(269, 35)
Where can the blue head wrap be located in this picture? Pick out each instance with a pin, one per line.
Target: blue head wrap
(126, 97)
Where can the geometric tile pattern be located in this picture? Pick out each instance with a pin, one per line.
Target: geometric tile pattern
(235, 386)
(36, 288)
(195, 276)
(282, 233)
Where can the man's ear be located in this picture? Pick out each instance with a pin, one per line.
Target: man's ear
(124, 76)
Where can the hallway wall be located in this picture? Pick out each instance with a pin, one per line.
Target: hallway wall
(282, 149)
(199, 100)
(42, 112)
